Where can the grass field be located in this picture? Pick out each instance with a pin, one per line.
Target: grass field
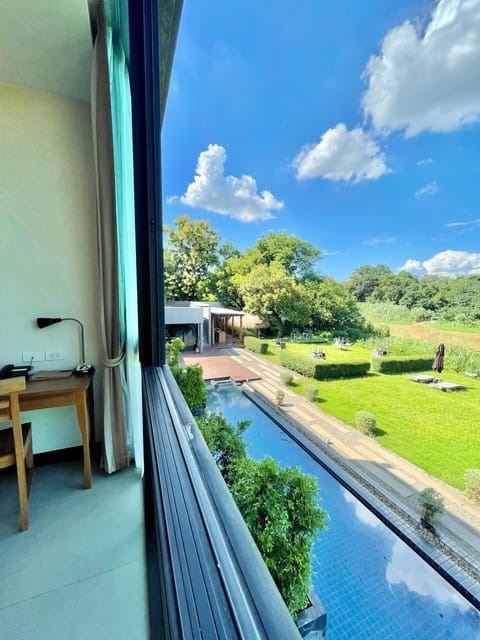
(435, 333)
(438, 431)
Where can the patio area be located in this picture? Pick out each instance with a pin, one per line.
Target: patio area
(219, 363)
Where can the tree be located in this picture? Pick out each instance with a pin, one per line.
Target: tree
(296, 256)
(191, 253)
(364, 280)
(269, 292)
(332, 306)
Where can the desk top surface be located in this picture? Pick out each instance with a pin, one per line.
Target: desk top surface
(58, 385)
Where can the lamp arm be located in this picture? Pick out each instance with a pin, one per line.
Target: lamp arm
(82, 334)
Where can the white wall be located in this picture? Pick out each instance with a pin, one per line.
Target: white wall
(48, 261)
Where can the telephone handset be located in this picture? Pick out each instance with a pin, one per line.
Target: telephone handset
(13, 371)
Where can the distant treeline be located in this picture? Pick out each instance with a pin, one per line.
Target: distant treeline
(414, 299)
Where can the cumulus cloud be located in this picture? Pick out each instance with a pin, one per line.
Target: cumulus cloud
(212, 190)
(446, 263)
(428, 190)
(341, 155)
(371, 242)
(424, 161)
(430, 80)
(407, 568)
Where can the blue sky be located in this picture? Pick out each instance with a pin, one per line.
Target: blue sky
(354, 125)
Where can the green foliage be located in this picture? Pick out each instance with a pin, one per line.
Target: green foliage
(279, 394)
(224, 440)
(401, 364)
(173, 349)
(472, 484)
(255, 344)
(431, 502)
(193, 387)
(323, 370)
(269, 292)
(462, 360)
(191, 252)
(286, 377)
(366, 422)
(280, 507)
(385, 312)
(311, 392)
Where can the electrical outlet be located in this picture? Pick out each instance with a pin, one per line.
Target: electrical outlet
(33, 356)
(54, 355)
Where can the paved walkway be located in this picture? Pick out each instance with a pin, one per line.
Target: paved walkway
(461, 520)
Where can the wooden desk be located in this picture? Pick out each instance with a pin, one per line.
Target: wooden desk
(65, 392)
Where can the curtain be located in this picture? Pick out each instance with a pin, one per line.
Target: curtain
(111, 122)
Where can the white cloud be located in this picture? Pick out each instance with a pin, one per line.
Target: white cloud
(446, 263)
(406, 567)
(326, 252)
(212, 190)
(427, 81)
(428, 190)
(425, 161)
(373, 241)
(361, 512)
(341, 155)
(471, 223)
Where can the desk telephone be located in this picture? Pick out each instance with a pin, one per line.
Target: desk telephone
(14, 371)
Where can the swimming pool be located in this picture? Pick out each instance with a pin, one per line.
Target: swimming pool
(372, 584)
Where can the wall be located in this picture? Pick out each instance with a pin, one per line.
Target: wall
(48, 261)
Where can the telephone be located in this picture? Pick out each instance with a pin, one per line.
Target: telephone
(13, 371)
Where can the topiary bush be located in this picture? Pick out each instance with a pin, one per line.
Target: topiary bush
(472, 484)
(256, 345)
(401, 364)
(431, 503)
(323, 370)
(366, 422)
(193, 387)
(280, 508)
(286, 377)
(311, 392)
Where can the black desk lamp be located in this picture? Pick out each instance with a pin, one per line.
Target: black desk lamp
(83, 367)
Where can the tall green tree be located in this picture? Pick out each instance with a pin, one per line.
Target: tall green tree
(191, 253)
(269, 292)
(364, 280)
(332, 306)
(297, 257)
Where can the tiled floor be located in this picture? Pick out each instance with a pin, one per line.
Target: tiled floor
(79, 571)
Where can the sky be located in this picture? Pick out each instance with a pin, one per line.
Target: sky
(353, 125)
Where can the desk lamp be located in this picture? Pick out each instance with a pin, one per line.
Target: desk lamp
(83, 367)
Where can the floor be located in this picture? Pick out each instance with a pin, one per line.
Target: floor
(79, 570)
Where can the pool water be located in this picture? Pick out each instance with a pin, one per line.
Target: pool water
(372, 584)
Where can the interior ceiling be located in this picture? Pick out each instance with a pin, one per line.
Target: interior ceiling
(46, 45)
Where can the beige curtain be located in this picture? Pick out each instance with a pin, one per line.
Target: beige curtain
(115, 445)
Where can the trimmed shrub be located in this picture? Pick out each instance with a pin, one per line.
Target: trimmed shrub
(401, 364)
(193, 387)
(311, 392)
(366, 422)
(431, 503)
(323, 370)
(256, 345)
(286, 377)
(472, 484)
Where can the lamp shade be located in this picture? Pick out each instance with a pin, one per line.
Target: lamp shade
(46, 322)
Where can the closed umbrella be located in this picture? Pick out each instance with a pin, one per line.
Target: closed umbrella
(437, 366)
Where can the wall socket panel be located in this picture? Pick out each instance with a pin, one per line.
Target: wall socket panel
(54, 355)
(33, 356)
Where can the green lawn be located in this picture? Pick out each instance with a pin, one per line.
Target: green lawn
(438, 431)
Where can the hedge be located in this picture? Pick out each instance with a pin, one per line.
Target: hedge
(401, 364)
(323, 370)
(255, 344)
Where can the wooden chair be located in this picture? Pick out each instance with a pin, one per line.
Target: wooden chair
(16, 442)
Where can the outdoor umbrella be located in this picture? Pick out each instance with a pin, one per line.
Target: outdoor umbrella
(437, 365)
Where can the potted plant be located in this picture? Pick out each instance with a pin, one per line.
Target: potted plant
(431, 504)
(279, 396)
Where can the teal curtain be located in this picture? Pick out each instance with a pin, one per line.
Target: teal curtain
(125, 212)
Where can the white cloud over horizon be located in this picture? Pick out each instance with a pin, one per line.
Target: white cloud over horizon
(428, 190)
(371, 242)
(446, 263)
(235, 197)
(427, 81)
(424, 161)
(341, 155)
